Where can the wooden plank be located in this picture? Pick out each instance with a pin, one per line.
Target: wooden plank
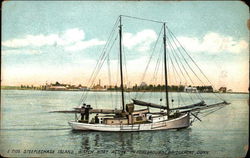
(140, 111)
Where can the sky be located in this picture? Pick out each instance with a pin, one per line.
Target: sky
(62, 40)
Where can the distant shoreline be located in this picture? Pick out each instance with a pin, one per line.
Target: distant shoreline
(72, 90)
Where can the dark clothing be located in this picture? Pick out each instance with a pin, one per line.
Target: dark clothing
(96, 119)
(82, 116)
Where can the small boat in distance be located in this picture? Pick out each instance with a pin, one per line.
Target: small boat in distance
(128, 118)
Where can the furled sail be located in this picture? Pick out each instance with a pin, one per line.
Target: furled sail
(202, 103)
(142, 103)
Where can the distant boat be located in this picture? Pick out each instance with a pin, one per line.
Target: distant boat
(129, 119)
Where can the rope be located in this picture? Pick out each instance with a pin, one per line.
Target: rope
(152, 53)
(154, 78)
(175, 78)
(171, 53)
(220, 97)
(132, 17)
(84, 95)
(173, 50)
(126, 71)
(109, 77)
(100, 66)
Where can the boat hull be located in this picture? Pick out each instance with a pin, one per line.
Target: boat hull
(180, 122)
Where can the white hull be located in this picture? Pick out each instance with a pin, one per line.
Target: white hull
(181, 122)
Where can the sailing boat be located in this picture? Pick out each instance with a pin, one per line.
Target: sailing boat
(129, 119)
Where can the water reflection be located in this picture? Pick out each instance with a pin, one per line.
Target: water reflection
(177, 140)
(85, 143)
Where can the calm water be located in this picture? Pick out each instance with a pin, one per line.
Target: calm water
(28, 129)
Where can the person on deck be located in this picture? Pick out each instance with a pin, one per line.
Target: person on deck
(82, 114)
(96, 118)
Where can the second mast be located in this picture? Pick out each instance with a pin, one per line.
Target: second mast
(121, 72)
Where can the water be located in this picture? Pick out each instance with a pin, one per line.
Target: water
(29, 130)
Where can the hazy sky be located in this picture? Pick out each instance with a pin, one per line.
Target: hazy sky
(62, 40)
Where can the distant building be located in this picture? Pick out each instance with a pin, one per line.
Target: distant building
(56, 88)
(190, 89)
(143, 84)
(98, 87)
(205, 89)
(223, 89)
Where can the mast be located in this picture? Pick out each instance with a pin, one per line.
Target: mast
(121, 73)
(165, 68)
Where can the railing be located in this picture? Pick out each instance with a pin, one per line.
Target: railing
(132, 128)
